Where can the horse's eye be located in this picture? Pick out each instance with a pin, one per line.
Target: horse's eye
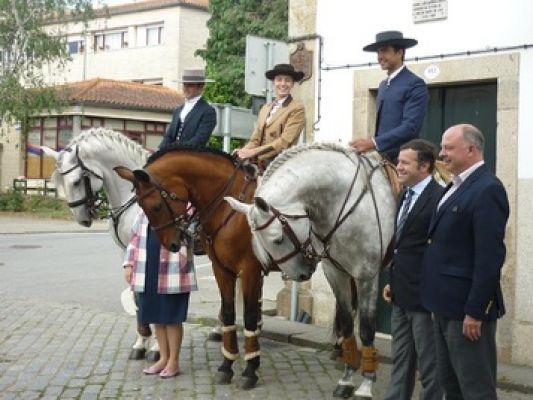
(77, 183)
(278, 240)
(157, 207)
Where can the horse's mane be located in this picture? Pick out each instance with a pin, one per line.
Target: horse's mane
(294, 151)
(109, 139)
(175, 147)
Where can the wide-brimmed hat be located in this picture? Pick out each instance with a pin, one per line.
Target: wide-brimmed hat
(284, 69)
(392, 38)
(194, 75)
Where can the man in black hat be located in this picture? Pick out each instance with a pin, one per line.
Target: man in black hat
(402, 98)
(279, 123)
(192, 122)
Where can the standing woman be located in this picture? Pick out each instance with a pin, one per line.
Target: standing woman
(163, 281)
(279, 123)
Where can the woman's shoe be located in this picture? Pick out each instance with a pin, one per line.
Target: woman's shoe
(152, 370)
(165, 374)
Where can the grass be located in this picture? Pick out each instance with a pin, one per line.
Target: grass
(44, 206)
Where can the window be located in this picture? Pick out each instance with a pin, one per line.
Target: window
(76, 46)
(110, 41)
(149, 35)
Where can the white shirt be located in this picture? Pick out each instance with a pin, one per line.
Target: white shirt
(417, 191)
(458, 180)
(188, 106)
(277, 105)
(394, 74)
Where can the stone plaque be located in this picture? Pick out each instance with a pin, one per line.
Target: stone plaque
(302, 60)
(429, 10)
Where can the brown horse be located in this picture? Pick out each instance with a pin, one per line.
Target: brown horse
(177, 176)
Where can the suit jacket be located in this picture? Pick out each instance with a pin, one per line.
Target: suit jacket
(466, 251)
(406, 267)
(197, 127)
(281, 132)
(401, 108)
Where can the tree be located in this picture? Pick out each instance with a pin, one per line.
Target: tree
(28, 44)
(230, 22)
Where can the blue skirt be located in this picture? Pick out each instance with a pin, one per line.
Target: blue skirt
(155, 308)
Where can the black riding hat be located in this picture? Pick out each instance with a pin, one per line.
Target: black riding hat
(392, 38)
(284, 69)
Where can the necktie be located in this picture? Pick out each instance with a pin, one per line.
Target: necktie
(405, 211)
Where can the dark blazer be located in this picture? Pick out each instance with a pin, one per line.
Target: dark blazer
(197, 127)
(406, 266)
(401, 108)
(465, 253)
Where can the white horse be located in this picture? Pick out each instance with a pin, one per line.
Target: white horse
(82, 169)
(321, 202)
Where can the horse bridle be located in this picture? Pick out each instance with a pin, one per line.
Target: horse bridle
(305, 248)
(91, 199)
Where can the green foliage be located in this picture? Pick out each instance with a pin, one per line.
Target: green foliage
(229, 24)
(28, 46)
(217, 142)
(11, 201)
(45, 205)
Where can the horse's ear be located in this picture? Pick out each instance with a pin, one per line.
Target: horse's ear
(261, 204)
(49, 152)
(238, 205)
(125, 173)
(141, 176)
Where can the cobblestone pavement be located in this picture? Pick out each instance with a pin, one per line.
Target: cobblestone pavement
(68, 352)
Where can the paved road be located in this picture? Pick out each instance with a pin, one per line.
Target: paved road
(63, 333)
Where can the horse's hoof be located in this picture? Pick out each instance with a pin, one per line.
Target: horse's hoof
(344, 391)
(137, 354)
(248, 382)
(223, 377)
(214, 336)
(152, 356)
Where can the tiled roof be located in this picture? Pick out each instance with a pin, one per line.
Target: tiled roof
(121, 94)
(149, 5)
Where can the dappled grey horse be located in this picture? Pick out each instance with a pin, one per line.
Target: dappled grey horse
(82, 169)
(321, 202)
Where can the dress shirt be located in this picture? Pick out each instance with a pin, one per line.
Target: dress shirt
(417, 191)
(458, 180)
(276, 106)
(188, 106)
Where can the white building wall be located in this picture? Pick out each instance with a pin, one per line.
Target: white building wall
(165, 61)
(347, 26)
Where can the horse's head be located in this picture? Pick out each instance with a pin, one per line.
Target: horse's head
(283, 238)
(81, 181)
(165, 206)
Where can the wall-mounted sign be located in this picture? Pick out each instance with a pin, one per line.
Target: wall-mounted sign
(429, 10)
(431, 72)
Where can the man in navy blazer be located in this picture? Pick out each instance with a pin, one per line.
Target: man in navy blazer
(192, 122)
(413, 343)
(462, 265)
(402, 98)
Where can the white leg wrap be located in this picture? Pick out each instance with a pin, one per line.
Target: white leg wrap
(365, 389)
(141, 342)
(228, 355)
(229, 328)
(249, 356)
(248, 333)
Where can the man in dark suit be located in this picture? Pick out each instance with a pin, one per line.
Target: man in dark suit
(402, 98)
(412, 329)
(192, 122)
(461, 268)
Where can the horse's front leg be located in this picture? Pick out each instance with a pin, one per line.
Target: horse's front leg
(367, 329)
(251, 282)
(230, 349)
(341, 286)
